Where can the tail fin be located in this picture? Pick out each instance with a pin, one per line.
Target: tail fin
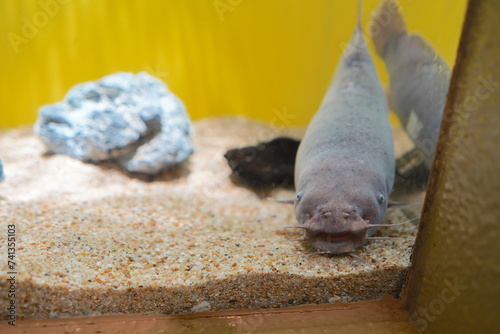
(360, 12)
(386, 23)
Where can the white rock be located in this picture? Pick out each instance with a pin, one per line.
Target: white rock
(201, 307)
(2, 174)
(131, 119)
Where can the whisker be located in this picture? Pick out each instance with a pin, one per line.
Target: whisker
(284, 201)
(282, 228)
(398, 204)
(385, 238)
(357, 257)
(297, 226)
(298, 239)
(388, 225)
(313, 254)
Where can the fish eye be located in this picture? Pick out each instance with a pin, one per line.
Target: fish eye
(298, 197)
(381, 198)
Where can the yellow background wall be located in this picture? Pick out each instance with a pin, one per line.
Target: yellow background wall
(266, 59)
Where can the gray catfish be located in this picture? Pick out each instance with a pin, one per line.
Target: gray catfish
(419, 77)
(344, 169)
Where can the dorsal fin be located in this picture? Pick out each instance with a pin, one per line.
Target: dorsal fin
(357, 50)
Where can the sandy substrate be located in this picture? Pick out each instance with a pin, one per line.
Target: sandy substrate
(92, 240)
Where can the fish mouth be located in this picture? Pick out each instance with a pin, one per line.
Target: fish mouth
(335, 237)
(336, 243)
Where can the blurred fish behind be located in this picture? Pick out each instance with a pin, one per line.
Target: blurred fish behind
(418, 77)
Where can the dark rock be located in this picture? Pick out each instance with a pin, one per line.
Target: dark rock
(267, 164)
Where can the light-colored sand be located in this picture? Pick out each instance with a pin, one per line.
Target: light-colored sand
(92, 240)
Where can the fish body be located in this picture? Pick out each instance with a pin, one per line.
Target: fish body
(419, 77)
(344, 169)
